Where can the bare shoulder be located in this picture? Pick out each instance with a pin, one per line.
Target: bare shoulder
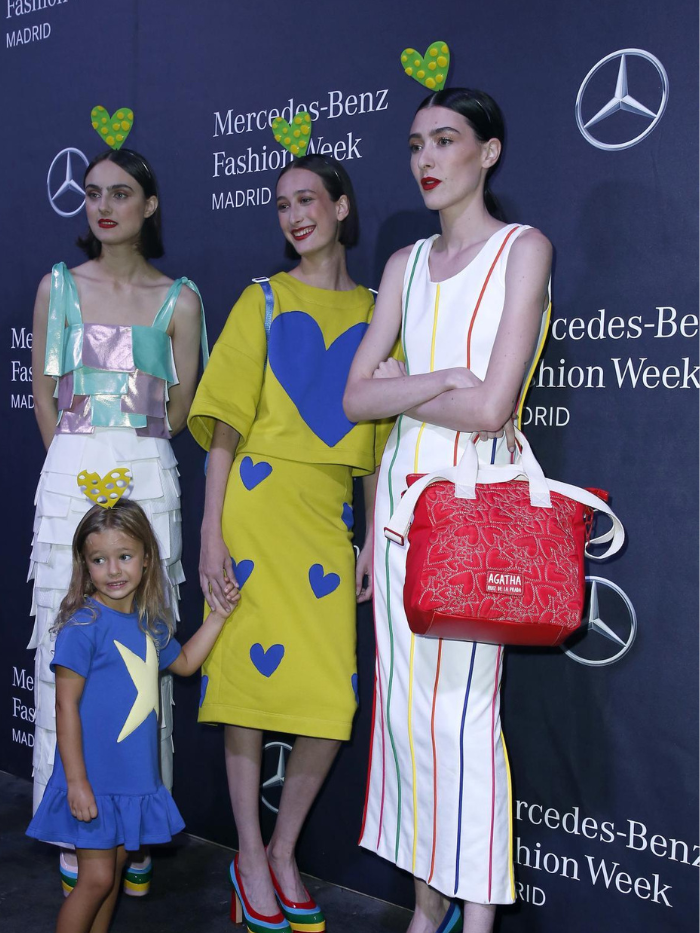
(532, 244)
(43, 292)
(188, 302)
(397, 262)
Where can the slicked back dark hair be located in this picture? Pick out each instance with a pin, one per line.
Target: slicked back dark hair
(484, 116)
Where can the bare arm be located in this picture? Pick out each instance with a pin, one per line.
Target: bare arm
(69, 735)
(186, 334)
(367, 398)
(45, 407)
(364, 561)
(488, 405)
(215, 560)
(196, 649)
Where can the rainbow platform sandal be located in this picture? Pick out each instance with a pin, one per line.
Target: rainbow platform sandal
(69, 873)
(453, 921)
(137, 877)
(305, 917)
(242, 912)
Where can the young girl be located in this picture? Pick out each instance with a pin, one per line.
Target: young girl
(115, 355)
(279, 502)
(105, 795)
(471, 306)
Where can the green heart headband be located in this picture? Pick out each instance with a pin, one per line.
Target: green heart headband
(112, 130)
(430, 69)
(295, 137)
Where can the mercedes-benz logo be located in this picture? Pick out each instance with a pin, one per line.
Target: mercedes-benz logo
(275, 756)
(61, 184)
(622, 100)
(616, 635)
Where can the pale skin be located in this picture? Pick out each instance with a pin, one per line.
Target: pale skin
(119, 287)
(115, 562)
(310, 221)
(445, 148)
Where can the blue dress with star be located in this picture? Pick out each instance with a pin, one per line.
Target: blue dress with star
(119, 719)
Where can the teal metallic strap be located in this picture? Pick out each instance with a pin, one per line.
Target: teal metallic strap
(164, 316)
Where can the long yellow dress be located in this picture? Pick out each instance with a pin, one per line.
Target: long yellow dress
(286, 659)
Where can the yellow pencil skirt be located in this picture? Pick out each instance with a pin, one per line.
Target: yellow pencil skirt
(285, 660)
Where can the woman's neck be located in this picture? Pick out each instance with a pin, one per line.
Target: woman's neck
(464, 224)
(325, 270)
(123, 263)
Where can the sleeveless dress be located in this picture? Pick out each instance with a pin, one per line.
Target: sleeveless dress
(286, 662)
(439, 797)
(112, 391)
(119, 721)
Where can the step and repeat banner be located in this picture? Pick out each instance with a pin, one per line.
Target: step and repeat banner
(601, 112)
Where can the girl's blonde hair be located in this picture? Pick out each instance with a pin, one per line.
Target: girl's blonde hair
(129, 518)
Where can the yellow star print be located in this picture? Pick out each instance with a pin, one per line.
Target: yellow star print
(145, 677)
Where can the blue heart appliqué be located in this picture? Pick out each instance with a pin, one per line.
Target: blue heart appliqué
(242, 570)
(353, 681)
(268, 661)
(312, 376)
(322, 583)
(203, 689)
(252, 474)
(348, 515)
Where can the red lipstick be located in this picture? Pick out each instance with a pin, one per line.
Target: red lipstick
(428, 183)
(106, 224)
(303, 232)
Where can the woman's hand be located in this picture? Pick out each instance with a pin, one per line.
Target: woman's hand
(81, 800)
(389, 369)
(216, 571)
(363, 569)
(459, 377)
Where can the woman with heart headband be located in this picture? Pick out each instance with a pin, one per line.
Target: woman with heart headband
(115, 358)
(278, 517)
(471, 307)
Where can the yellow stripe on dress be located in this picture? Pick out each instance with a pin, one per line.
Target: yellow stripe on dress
(413, 637)
(511, 872)
(533, 365)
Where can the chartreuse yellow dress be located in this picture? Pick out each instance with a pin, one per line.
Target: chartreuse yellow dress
(286, 659)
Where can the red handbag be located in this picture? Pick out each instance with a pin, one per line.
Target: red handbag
(496, 551)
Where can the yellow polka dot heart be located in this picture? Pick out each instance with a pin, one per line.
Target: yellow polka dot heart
(112, 130)
(105, 490)
(295, 136)
(430, 69)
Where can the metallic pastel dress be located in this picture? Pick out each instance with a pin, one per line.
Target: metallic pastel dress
(112, 392)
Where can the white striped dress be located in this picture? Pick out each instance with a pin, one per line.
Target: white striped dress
(439, 796)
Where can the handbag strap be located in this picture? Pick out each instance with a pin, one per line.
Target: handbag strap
(264, 283)
(466, 479)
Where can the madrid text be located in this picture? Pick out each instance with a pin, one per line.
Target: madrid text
(26, 34)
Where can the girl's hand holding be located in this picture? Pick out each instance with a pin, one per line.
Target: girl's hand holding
(219, 611)
(389, 369)
(81, 800)
(215, 572)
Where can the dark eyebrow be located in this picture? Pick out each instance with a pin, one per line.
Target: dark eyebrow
(300, 191)
(109, 187)
(436, 132)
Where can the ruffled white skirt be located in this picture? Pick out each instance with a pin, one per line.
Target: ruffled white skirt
(59, 507)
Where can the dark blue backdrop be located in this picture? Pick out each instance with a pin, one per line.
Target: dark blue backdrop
(603, 755)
